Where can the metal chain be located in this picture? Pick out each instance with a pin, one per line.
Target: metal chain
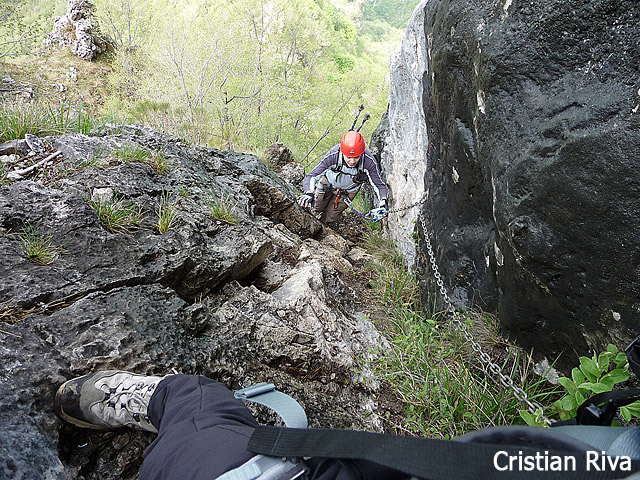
(419, 202)
(494, 368)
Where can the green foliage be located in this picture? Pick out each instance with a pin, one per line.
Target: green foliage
(181, 71)
(428, 367)
(115, 215)
(597, 374)
(394, 12)
(24, 23)
(345, 63)
(38, 247)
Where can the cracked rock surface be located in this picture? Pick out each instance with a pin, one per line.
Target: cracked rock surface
(241, 301)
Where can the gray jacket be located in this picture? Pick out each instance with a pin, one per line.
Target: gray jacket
(344, 178)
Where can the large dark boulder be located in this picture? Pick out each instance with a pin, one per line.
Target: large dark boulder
(530, 111)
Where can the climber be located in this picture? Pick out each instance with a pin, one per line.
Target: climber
(341, 172)
(203, 430)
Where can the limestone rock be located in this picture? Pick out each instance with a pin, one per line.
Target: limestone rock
(78, 30)
(240, 302)
(293, 173)
(278, 155)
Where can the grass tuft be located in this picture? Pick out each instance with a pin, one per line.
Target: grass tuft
(20, 118)
(222, 210)
(166, 214)
(41, 119)
(38, 247)
(115, 216)
(157, 160)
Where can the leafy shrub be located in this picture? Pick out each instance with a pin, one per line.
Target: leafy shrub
(597, 374)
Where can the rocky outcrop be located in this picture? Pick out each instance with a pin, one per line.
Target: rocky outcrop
(520, 120)
(247, 299)
(78, 30)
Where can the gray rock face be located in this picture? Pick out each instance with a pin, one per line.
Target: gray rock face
(526, 139)
(257, 300)
(78, 29)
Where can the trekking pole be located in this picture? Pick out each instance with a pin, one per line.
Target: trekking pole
(360, 109)
(366, 117)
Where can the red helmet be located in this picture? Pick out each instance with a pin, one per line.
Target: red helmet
(352, 144)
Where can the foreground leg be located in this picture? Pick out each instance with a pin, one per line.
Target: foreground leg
(203, 429)
(106, 400)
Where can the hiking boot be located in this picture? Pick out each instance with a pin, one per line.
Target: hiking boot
(106, 400)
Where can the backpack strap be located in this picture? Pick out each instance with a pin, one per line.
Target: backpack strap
(286, 407)
(428, 458)
(339, 162)
(263, 467)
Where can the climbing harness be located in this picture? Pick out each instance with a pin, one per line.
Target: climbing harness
(268, 467)
(339, 193)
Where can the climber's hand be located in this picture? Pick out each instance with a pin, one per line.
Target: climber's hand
(306, 200)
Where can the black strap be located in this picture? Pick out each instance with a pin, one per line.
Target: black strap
(589, 413)
(421, 457)
(633, 355)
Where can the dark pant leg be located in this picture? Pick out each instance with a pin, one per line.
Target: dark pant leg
(203, 430)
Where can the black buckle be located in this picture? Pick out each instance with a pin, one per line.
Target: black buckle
(633, 355)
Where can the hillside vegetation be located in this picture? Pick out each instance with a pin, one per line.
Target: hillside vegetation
(236, 75)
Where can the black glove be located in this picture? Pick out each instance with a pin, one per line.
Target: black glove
(384, 204)
(306, 200)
